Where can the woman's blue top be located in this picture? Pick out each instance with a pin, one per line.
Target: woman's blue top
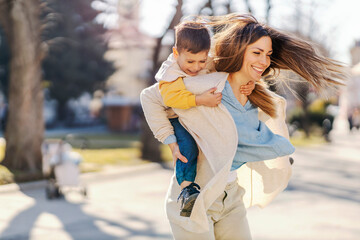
(256, 142)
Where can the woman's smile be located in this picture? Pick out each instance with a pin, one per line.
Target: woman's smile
(258, 70)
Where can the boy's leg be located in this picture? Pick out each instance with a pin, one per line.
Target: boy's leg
(186, 172)
(188, 148)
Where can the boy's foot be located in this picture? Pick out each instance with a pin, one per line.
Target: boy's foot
(188, 196)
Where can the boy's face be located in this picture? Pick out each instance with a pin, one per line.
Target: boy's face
(191, 63)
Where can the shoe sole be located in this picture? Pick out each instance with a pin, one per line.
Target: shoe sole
(188, 206)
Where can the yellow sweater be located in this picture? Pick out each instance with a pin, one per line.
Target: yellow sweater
(176, 95)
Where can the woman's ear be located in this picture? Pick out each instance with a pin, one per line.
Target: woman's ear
(175, 52)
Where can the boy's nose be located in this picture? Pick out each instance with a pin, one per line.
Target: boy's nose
(198, 67)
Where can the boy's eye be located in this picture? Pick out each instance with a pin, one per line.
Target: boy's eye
(190, 61)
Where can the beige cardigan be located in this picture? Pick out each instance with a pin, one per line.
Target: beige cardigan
(216, 135)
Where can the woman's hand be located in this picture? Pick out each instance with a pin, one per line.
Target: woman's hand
(209, 98)
(176, 154)
(248, 88)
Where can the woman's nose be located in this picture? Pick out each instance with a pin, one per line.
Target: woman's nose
(264, 60)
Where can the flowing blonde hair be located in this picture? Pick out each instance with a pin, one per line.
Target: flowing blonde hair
(234, 32)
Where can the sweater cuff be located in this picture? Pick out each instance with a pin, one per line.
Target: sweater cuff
(170, 139)
(191, 101)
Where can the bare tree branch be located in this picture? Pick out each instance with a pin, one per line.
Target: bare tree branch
(208, 4)
(247, 3)
(228, 6)
(268, 11)
(175, 20)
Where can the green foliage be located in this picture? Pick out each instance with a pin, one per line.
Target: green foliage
(75, 62)
(316, 113)
(5, 176)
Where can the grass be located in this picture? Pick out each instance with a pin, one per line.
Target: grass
(5, 175)
(100, 141)
(299, 139)
(123, 150)
(97, 159)
(101, 151)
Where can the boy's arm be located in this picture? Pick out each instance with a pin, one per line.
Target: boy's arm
(248, 88)
(176, 95)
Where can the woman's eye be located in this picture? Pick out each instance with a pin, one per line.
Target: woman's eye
(257, 53)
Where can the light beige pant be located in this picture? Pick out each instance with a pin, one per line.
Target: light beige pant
(226, 216)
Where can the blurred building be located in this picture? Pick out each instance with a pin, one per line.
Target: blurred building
(353, 89)
(131, 52)
(355, 53)
(350, 97)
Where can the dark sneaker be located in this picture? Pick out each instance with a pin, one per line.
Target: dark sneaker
(188, 196)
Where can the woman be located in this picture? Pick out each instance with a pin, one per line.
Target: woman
(244, 50)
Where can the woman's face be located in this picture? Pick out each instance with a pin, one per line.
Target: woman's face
(256, 58)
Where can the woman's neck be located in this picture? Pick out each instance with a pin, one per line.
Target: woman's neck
(236, 80)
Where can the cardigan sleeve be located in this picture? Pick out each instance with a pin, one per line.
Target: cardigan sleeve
(156, 113)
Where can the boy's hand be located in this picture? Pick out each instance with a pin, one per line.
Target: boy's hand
(209, 98)
(176, 154)
(248, 88)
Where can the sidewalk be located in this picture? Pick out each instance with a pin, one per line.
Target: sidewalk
(321, 202)
(118, 206)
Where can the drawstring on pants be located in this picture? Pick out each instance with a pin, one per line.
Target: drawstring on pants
(223, 200)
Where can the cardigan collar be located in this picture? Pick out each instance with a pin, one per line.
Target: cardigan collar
(229, 97)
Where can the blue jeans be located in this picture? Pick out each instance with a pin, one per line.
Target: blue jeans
(188, 148)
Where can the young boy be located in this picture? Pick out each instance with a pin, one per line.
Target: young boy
(189, 58)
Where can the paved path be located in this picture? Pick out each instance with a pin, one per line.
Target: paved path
(321, 202)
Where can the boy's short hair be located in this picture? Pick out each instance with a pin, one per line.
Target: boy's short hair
(192, 36)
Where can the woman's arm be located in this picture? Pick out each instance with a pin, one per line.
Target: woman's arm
(176, 154)
(156, 115)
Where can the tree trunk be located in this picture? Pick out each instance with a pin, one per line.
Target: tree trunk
(25, 125)
(150, 149)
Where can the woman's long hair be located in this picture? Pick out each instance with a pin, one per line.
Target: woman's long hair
(233, 33)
